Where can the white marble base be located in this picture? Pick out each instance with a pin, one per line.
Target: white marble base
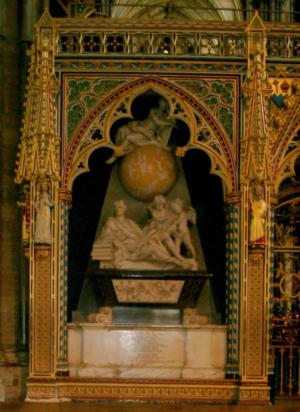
(123, 351)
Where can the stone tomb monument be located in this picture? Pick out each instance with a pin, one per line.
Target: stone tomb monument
(146, 306)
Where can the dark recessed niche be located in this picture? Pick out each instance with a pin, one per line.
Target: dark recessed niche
(88, 196)
(206, 197)
(206, 192)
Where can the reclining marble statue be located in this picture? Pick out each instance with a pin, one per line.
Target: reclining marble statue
(163, 243)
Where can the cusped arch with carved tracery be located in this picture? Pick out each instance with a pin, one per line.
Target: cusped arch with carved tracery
(206, 131)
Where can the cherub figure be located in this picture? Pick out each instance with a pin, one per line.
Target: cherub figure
(159, 228)
(180, 231)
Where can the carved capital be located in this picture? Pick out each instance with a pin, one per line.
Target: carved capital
(233, 198)
(274, 199)
(65, 196)
(42, 251)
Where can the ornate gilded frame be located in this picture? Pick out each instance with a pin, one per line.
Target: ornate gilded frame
(48, 154)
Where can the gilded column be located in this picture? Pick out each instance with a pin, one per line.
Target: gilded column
(39, 164)
(256, 192)
(255, 307)
(232, 282)
(271, 235)
(64, 199)
(30, 12)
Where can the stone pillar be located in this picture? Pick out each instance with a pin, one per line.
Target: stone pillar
(2, 45)
(10, 216)
(232, 282)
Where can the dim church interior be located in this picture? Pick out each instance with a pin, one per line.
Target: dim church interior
(224, 99)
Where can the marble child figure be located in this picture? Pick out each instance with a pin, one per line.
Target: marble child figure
(159, 226)
(43, 216)
(181, 231)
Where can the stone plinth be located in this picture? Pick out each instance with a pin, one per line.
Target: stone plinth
(12, 382)
(122, 351)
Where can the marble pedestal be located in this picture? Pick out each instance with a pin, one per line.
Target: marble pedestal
(126, 351)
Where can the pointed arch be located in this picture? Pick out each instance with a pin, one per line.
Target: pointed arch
(221, 161)
(283, 161)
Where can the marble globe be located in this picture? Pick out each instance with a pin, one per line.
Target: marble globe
(148, 171)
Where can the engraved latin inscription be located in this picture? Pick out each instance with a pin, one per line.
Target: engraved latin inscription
(147, 347)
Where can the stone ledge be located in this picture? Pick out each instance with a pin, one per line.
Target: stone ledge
(121, 351)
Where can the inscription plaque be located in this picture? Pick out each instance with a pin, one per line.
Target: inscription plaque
(147, 347)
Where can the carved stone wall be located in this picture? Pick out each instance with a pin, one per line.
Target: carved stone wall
(10, 218)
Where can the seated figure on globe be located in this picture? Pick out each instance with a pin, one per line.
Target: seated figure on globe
(123, 244)
(155, 129)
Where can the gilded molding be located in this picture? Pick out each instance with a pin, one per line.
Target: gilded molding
(88, 389)
(254, 394)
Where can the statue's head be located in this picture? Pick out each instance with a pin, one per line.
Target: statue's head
(159, 202)
(120, 207)
(176, 205)
(258, 190)
(44, 187)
